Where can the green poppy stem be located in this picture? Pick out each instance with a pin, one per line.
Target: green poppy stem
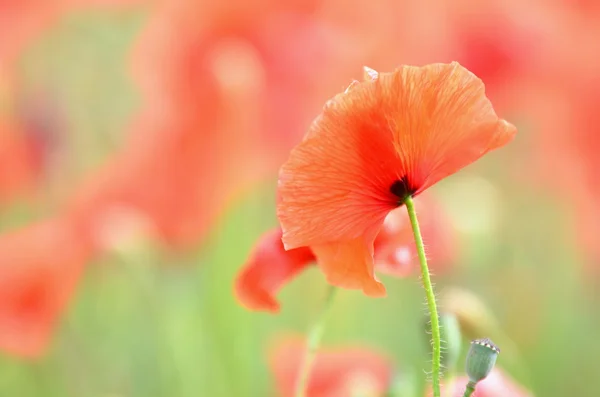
(314, 339)
(469, 389)
(433, 314)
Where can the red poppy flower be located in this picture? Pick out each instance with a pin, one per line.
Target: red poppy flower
(380, 141)
(40, 266)
(338, 372)
(270, 266)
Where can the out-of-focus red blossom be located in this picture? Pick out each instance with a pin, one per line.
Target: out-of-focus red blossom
(497, 384)
(167, 174)
(31, 129)
(221, 109)
(559, 106)
(22, 21)
(40, 266)
(336, 372)
(23, 143)
(584, 140)
(20, 164)
(234, 69)
(495, 40)
(270, 266)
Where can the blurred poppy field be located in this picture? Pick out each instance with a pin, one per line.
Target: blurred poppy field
(141, 144)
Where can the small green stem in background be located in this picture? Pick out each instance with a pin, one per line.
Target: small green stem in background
(469, 389)
(426, 279)
(312, 344)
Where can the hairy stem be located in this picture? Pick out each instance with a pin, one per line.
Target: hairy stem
(433, 314)
(314, 339)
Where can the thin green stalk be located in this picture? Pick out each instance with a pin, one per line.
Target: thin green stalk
(433, 314)
(314, 339)
(469, 389)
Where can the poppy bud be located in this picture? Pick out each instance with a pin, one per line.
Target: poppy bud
(450, 338)
(474, 317)
(481, 359)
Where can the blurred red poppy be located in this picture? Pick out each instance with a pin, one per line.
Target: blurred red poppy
(559, 105)
(40, 266)
(337, 372)
(235, 70)
(495, 40)
(382, 140)
(20, 165)
(166, 174)
(28, 123)
(270, 266)
(22, 21)
(217, 115)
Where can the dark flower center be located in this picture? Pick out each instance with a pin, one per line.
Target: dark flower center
(401, 188)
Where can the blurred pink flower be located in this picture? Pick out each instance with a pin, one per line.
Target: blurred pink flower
(336, 372)
(497, 384)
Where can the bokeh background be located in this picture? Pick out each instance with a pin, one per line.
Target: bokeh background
(139, 148)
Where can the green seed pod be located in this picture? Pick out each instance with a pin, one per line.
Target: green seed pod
(481, 359)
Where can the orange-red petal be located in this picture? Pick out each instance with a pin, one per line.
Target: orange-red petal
(339, 372)
(269, 267)
(349, 263)
(373, 145)
(40, 266)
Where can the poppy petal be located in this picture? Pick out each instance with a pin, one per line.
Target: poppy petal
(349, 264)
(270, 267)
(442, 120)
